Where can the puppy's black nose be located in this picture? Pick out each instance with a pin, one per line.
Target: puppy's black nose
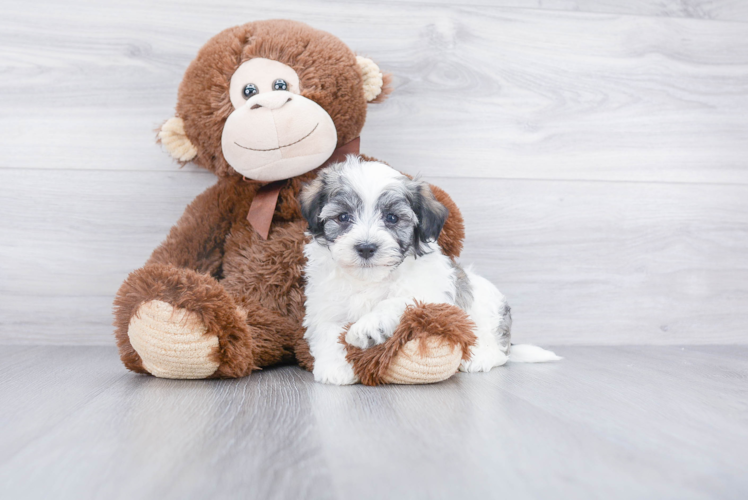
(366, 250)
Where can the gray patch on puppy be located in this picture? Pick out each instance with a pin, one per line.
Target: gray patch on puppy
(503, 331)
(395, 201)
(343, 200)
(324, 199)
(463, 288)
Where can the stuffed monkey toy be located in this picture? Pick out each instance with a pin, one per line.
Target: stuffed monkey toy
(264, 106)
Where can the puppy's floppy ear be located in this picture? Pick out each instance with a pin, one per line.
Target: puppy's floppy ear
(431, 215)
(313, 198)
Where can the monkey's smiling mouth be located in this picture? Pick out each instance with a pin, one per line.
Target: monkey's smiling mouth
(279, 147)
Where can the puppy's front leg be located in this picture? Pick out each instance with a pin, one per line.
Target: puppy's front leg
(378, 325)
(330, 365)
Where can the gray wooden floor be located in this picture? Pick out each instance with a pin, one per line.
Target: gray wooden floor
(606, 422)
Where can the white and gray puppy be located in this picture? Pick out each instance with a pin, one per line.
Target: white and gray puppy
(373, 253)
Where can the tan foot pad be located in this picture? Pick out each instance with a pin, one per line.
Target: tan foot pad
(410, 367)
(172, 342)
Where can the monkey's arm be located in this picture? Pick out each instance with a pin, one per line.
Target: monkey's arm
(196, 241)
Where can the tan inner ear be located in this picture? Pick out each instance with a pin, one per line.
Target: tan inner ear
(175, 140)
(373, 78)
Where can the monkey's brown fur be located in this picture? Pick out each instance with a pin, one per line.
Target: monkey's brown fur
(246, 290)
(418, 322)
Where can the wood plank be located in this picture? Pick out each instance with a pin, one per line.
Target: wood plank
(643, 422)
(69, 238)
(104, 409)
(481, 91)
(612, 263)
(724, 10)
(32, 399)
(581, 262)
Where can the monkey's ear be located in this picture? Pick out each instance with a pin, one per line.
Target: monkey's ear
(377, 86)
(172, 136)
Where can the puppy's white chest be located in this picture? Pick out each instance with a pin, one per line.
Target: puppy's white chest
(363, 301)
(353, 298)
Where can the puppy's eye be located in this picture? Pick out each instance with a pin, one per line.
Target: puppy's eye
(344, 218)
(250, 89)
(391, 218)
(280, 84)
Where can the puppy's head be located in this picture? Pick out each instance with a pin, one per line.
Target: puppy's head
(370, 216)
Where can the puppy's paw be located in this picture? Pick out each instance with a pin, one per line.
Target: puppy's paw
(371, 329)
(334, 373)
(484, 360)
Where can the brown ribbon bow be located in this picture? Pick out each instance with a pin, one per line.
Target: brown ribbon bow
(262, 208)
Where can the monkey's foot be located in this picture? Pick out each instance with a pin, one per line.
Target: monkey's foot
(434, 361)
(172, 341)
(427, 346)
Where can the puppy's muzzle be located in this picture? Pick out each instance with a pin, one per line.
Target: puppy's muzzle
(366, 250)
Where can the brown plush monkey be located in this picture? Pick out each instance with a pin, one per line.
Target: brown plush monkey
(263, 106)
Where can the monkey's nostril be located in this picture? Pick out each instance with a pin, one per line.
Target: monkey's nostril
(289, 100)
(366, 250)
(255, 106)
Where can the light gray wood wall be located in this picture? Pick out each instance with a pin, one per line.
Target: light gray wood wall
(599, 151)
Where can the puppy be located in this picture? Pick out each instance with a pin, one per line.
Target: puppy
(372, 253)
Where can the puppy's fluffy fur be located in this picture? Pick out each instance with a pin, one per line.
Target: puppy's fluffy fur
(372, 253)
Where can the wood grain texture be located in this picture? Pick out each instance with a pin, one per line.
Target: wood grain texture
(598, 150)
(69, 238)
(625, 422)
(481, 91)
(610, 263)
(581, 262)
(724, 10)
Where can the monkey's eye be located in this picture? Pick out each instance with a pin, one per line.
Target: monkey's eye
(391, 218)
(250, 89)
(280, 84)
(344, 218)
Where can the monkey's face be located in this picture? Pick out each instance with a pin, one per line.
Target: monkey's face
(271, 100)
(274, 132)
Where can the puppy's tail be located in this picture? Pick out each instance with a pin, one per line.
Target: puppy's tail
(526, 353)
